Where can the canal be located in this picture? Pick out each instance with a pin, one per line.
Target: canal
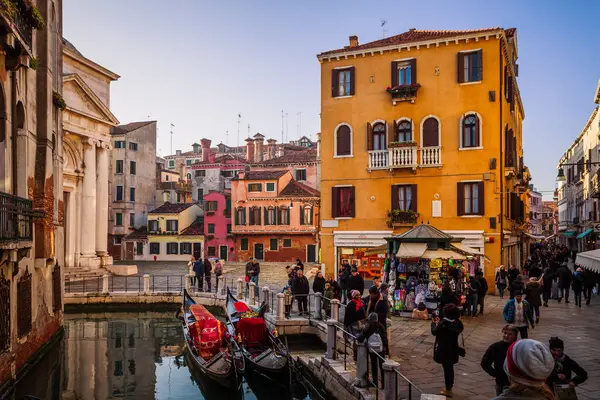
(135, 355)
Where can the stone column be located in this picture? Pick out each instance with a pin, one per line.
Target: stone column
(102, 200)
(88, 212)
(390, 380)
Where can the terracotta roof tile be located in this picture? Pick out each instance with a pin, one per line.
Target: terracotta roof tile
(132, 126)
(140, 234)
(416, 35)
(195, 229)
(262, 175)
(222, 159)
(171, 208)
(297, 189)
(294, 157)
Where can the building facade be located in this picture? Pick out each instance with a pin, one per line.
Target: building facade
(132, 181)
(550, 219)
(275, 217)
(32, 208)
(536, 212)
(217, 226)
(423, 126)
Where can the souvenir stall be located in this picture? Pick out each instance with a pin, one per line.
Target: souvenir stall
(369, 261)
(421, 261)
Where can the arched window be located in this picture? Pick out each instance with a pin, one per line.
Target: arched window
(254, 216)
(379, 142)
(270, 216)
(240, 216)
(306, 215)
(343, 141)
(431, 133)
(470, 131)
(284, 216)
(404, 131)
(189, 176)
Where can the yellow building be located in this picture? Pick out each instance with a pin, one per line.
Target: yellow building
(423, 126)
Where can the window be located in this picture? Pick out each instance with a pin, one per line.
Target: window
(171, 163)
(287, 243)
(273, 244)
(166, 178)
(227, 174)
(132, 167)
(178, 197)
(188, 162)
(119, 167)
(270, 216)
(404, 72)
(240, 216)
(118, 340)
(131, 366)
(211, 205)
(139, 248)
(376, 136)
(211, 228)
(431, 133)
(131, 194)
(211, 251)
(306, 215)
(185, 248)
(284, 216)
(153, 225)
(118, 368)
(244, 244)
(133, 146)
(254, 216)
(470, 66)
(132, 220)
(200, 173)
(119, 144)
(404, 197)
(470, 131)
(173, 248)
(255, 187)
(300, 174)
(404, 131)
(470, 198)
(200, 194)
(154, 248)
(270, 187)
(118, 219)
(342, 82)
(342, 202)
(228, 228)
(343, 141)
(188, 176)
(119, 193)
(196, 160)
(172, 225)
(118, 240)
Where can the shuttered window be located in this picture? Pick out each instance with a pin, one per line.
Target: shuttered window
(255, 187)
(240, 216)
(431, 133)
(273, 244)
(470, 66)
(404, 72)
(376, 136)
(342, 82)
(254, 216)
(343, 141)
(306, 215)
(470, 131)
(283, 216)
(404, 131)
(470, 198)
(244, 244)
(270, 216)
(404, 197)
(342, 202)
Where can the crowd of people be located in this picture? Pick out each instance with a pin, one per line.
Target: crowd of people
(201, 272)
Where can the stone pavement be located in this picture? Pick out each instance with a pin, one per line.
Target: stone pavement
(412, 346)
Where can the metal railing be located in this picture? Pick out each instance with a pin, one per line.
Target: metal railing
(16, 218)
(22, 25)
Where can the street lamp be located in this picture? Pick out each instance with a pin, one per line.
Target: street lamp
(561, 175)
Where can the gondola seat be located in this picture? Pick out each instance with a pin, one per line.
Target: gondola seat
(207, 332)
(253, 332)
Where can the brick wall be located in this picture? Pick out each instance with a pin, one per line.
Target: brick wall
(282, 254)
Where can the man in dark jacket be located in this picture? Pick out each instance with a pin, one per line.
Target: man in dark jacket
(207, 274)
(483, 289)
(356, 282)
(564, 367)
(564, 282)
(319, 283)
(493, 359)
(375, 355)
(474, 288)
(446, 349)
(534, 271)
(300, 290)
(199, 271)
(343, 277)
(512, 275)
(254, 272)
(548, 278)
(378, 304)
(589, 281)
(516, 286)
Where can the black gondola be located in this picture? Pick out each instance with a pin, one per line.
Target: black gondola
(225, 364)
(263, 351)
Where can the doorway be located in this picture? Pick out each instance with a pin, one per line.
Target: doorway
(258, 251)
(311, 253)
(223, 252)
(197, 250)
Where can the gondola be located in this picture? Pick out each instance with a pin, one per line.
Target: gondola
(263, 351)
(211, 349)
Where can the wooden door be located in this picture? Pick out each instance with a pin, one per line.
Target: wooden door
(258, 251)
(311, 253)
(197, 250)
(129, 250)
(223, 252)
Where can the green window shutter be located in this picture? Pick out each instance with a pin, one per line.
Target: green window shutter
(301, 215)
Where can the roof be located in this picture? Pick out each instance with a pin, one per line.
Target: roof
(424, 231)
(295, 157)
(416, 35)
(139, 234)
(171, 208)
(222, 158)
(194, 229)
(70, 48)
(262, 175)
(597, 98)
(132, 126)
(297, 189)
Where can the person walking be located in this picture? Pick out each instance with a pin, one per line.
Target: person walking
(378, 304)
(299, 264)
(447, 297)
(355, 312)
(300, 290)
(577, 285)
(512, 275)
(191, 271)
(207, 274)
(254, 273)
(517, 286)
(218, 273)
(483, 289)
(343, 278)
(446, 349)
(319, 283)
(547, 281)
(566, 370)
(518, 313)
(534, 271)
(377, 343)
(528, 363)
(199, 271)
(495, 355)
(533, 292)
(501, 280)
(474, 288)
(589, 282)
(564, 282)
(356, 282)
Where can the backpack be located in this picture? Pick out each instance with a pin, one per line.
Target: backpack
(218, 269)
(375, 344)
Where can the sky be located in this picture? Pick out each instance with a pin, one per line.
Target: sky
(197, 64)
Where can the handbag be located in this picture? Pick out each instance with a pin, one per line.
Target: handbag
(461, 350)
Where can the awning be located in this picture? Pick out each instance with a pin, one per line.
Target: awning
(465, 248)
(569, 233)
(589, 259)
(536, 237)
(445, 254)
(376, 250)
(411, 250)
(584, 233)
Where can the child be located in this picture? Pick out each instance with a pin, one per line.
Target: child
(327, 297)
(287, 300)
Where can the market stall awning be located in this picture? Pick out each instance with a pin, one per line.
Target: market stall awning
(569, 233)
(444, 254)
(589, 259)
(465, 248)
(376, 250)
(584, 233)
(411, 250)
(536, 237)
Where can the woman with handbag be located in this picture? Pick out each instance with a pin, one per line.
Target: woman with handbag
(446, 349)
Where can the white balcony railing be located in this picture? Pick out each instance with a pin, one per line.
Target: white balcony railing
(395, 157)
(431, 156)
(379, 159)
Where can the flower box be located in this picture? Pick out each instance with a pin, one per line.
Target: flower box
(402, 217)
(403, 144)
(403, 92)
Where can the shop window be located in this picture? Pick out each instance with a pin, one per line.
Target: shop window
(342, 202)
(287, 243)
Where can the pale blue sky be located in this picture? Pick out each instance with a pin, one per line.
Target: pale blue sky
(197, 64)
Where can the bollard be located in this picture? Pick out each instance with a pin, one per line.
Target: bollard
(318, 305)
(266, 295)
(335, 309)
(146, 284)
(104, 284)
(240, 289)
(390, 380)
(362, 360)
(331, 339)
(188, 282)
(221, 282)
(252, 290)
(279, 308)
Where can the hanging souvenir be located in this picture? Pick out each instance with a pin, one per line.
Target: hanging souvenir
(451, 262)
(410, 303)
(435, 263)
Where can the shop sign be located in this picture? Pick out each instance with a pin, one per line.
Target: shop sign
(330, 223)
(597, 228)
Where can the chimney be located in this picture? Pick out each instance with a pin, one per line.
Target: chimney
(412, 29)
(250, 150)
(271, 148)
(205, 149)
(177, 152)
(353, 41)
(258, 147)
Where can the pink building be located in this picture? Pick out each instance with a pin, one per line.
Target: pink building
(217, 226)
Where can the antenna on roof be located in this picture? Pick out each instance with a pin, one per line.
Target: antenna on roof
(287, 120)
(282, 120)
(383, 30)
(299, 124)
(248, 130)
(226, 136)
(238, 137)
(172, 126)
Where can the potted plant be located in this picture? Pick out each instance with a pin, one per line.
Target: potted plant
(403, 91)
(402, 217)
(409, 143)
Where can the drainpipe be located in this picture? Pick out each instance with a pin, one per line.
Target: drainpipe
(501, 95)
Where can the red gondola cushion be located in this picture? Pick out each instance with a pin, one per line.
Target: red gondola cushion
(252, 330)
(207, 332)
(240, 306)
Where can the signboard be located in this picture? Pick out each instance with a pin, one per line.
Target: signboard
(330, 223)
(596, 228)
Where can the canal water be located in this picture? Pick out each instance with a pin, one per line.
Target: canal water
(137, 355)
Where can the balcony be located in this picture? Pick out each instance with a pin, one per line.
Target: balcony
(405, 156)
(273, 229)
(19, 21)
(177, 186)
(431, 156)
(403, 93)
(16, 219)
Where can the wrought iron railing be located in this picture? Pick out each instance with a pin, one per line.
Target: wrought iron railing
(22, 25)
(16, 218)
